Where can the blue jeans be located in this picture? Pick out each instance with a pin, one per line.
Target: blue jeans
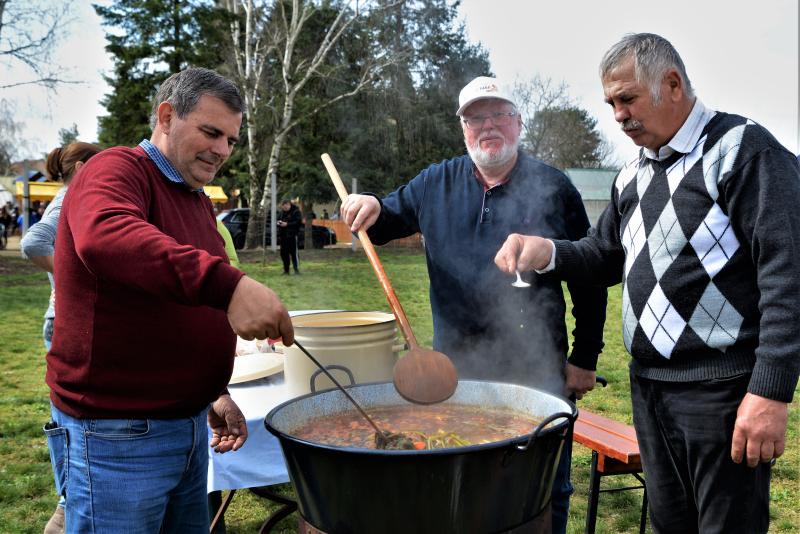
(131, 475)
(562, 489)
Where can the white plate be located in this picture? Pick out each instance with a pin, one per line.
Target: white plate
(257, 365)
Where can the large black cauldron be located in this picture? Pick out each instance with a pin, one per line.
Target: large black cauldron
(481, 488)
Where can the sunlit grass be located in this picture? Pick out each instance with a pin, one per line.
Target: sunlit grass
(331, 279)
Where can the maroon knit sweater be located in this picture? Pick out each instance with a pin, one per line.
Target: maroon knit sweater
(143, 285)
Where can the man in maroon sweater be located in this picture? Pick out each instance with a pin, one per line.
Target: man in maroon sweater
(149, 307)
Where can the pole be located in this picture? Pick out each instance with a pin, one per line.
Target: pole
(26, 199)
(273, 209)
(354, 190)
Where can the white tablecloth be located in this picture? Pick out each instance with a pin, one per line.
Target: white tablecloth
(260, 461)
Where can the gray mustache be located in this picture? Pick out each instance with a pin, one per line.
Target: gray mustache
(630, 124)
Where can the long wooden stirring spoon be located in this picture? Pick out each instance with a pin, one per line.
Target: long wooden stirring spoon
(422, 376)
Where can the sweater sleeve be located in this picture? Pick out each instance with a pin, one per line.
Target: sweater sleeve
(107, 211)
(40, 239)
(598, 258)
(399, 215)
(762, 198)
(589, 301)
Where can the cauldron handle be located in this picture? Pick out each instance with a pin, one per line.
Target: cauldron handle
(318, 372)
(549, 419)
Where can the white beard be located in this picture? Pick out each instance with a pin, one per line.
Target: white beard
(488, 160)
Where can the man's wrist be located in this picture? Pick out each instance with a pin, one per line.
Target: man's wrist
(552, 265)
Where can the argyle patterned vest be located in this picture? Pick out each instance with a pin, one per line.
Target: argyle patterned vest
(678, 241)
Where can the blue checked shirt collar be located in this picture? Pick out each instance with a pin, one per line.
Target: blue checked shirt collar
(163, 164)
(686, 138)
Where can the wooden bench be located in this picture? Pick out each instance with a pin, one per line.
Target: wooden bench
(615, 451)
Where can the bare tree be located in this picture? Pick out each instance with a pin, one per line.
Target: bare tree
(556, 129)
(252, 48)
(29, 32)
(9, 136)
(271, 40)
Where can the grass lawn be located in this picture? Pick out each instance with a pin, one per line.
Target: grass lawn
(331, 279)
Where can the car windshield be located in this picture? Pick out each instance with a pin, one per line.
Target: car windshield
(222, 215)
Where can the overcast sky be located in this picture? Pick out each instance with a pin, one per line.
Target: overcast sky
(741, 56)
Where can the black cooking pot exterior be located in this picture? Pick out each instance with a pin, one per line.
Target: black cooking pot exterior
(476, 489)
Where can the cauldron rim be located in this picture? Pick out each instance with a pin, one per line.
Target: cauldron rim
(553, 427)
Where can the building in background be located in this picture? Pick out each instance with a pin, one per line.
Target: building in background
(594, 185)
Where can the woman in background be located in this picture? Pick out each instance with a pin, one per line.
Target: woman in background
(38, 245)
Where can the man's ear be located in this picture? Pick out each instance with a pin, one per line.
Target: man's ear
(164, 113)
(674, 84)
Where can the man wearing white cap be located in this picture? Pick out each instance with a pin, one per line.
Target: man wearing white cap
(465, 208)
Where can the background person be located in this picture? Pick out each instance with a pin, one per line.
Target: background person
(288, 230)
(704, 233)
(230, 250)
(142, 270)
(465, 208)
(38, 245)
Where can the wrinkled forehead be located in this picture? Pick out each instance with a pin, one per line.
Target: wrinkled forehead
(621, 79)
(488, 105)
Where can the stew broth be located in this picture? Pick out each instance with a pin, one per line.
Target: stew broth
(464, 424)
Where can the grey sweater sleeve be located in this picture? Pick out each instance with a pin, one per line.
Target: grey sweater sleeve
(598, 258)
(761, 198)
(40, 239)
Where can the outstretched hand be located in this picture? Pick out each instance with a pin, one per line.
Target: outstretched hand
(523, 253)
(228, 425)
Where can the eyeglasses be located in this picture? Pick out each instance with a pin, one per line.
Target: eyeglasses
(498, 119)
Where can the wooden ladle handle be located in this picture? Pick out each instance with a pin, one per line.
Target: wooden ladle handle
(377, 266)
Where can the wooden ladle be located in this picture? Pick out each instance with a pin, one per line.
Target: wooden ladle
(422, 376)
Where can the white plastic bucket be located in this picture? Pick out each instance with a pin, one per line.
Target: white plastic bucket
(365, 342)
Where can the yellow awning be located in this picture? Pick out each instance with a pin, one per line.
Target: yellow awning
(40, 190)
(215, 193)
(48, 190)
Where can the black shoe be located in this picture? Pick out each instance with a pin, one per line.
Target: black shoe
(296, 272)
(285, 273)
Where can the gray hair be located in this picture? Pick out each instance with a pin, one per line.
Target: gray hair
(653, 56)
(184, 89)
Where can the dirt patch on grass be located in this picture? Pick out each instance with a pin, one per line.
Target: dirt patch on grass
(10, 265)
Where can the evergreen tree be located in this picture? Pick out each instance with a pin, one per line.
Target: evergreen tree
(150, 40)
(565, 137)
(68, 135)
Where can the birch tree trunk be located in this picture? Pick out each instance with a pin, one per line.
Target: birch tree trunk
(280, 36)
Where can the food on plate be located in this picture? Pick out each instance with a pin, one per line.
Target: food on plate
(253, 346)
(415, 427)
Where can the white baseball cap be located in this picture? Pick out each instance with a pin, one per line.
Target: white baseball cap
(483, 87)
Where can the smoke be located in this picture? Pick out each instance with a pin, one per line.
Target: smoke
(490, 329)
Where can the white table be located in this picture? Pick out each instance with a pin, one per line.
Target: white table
(260, 461)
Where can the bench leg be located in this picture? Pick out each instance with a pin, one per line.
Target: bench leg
(643, 520)
(594, 496)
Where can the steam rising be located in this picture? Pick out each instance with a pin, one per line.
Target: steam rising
(507, 334)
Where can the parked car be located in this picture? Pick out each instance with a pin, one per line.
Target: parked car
(236, 219)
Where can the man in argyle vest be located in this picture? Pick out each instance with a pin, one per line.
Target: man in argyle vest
(703, 232)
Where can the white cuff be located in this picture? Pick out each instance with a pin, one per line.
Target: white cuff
(552, 264)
